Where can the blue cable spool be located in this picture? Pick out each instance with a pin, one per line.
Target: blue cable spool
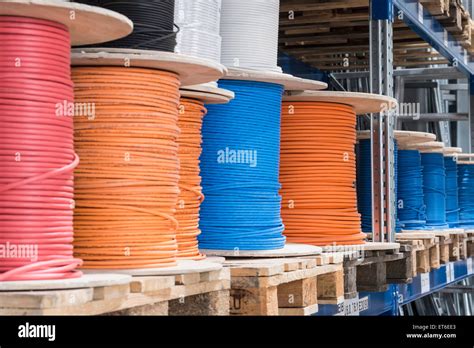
(466, 194)
(452, 203)
(411, 206)
(240, 169)
(364, 183)
(434, 189)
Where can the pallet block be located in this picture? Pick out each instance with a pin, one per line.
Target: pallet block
(470, 243)
(290, 286)
(403, 270)
(75, 298)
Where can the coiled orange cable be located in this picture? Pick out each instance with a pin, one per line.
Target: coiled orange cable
(191, 113)
(318, 174)
(126, 186)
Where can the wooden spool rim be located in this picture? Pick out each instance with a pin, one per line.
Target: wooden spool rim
(89, 25)
(362, 103)
(428, 147)
(403, 137)
(452, 151)
(207, 94)
(191, 70)
(289, 82)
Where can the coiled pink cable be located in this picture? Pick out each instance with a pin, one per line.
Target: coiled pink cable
(37, 156)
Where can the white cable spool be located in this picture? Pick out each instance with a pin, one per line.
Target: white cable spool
(249, 30)
(199, 27)
(199, 24)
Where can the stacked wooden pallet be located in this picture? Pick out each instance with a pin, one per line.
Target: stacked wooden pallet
(89, 295)
(285, 286)
(199, 292)
(454, 17)
(430, 249)
(427, 252)
(367, 267)
(334, 35)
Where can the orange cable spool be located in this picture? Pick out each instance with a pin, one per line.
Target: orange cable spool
(318, 173)
(126, 185)
(189, 202)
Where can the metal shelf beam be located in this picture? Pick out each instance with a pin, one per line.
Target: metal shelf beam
(388, 302)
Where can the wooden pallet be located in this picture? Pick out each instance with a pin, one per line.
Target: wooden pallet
(334, 35)
(192, 293)
(198, 293)
(285, 286)
(427, 254)
(438, 247)
(365, 267)
(86, 296)
(436, 7)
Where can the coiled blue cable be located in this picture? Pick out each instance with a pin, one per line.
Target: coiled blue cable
(364, 183)
(411, 206)
(466, 194)
(452, 203)
(240, 168)
(434, 189)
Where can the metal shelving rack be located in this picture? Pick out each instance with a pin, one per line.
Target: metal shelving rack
(390, 301)
(381, 77)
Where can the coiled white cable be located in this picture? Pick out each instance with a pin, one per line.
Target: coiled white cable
(199, 23)
(249, 30)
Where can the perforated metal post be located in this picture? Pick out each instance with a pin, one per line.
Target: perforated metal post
(382, 125)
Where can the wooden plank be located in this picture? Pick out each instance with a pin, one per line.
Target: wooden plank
(306, 311)
(45, 299)
(313, 5)
(151, 284)
(160, 308)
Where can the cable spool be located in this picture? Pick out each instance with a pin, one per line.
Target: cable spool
(364, 182)
(452, 200)
(127, 182)
(239, 163)
(466, 192)
(191, 113)
(318, 169)
(411, 205)
(452, 204)
(318, 173)
(199, 23)
(189, 201)
(434, 189)
(411, 211)
(249, 30)
(153, 23)
(36, 151)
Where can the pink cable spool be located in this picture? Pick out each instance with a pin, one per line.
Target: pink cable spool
(37, 156)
